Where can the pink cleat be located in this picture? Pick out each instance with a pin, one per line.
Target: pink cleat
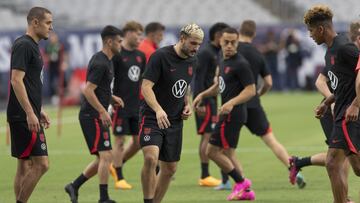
(247, 195)
(293, 170)
(239, 189)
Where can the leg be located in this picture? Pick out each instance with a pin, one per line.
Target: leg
(23, 166)
(168, 169)
(202, 153)
(334, 165)
(132, 148)
(277, 148)
(216, 154)
(105, 159)
(230, 153)
(40, 165)
(148, 175)
(118, 151)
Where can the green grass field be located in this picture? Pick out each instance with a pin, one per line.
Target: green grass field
(292, 120)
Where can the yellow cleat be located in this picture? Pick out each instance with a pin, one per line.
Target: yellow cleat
(113, 172)
(123, 185)
(209, 182)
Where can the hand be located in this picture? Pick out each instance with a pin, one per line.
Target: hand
(201, 111)
(197, 101)
(162, 119)
(186, 112)
(33, 122)
(105, 119)
(44, 120)
(352, 113)
(118, 101)
(226, 108)
(320, 110)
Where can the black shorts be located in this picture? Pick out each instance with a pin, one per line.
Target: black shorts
(24, 143)
(168, 140)
(257, 121)
(227, 131)
(346, 136)
(96, 135)
(123, 124)
(206, 124)
(327, 123)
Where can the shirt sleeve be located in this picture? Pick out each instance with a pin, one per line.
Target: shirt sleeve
(153, 68)
(96, 73)
(244, 74)
(350, 55)
(264, 69)
(21, 56)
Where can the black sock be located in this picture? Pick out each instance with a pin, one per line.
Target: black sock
(17, 201)
(224, 177)
(204, 170)
(236, 176)
(79, 181)
(119, 173)
(301, 162)
(148, 200)
(104, 195)
(157, 169)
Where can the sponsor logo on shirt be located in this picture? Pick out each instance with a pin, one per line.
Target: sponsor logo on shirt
(179, 88)
(333, 80)
(134, 73)
(221, 84)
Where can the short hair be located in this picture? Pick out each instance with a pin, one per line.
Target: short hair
(354, 30)
(132, 26)
(153, 27)
(110, 31)
(216, 28)
(318, 15)
(248, 28)
(192, 29)
(230, 30)
(36, 12)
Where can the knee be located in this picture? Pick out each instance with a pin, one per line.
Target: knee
(41, 167)
(168, 171)
(331, 165)
(211, 152)
(106, 157)
(150, 161)
(120, 142)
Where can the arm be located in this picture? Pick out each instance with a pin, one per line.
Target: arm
(187, 108)
(321, 85)
(149, 95)
(213, 90)
(248, 92)
(18, 86)
(266, 86)
(89, 93)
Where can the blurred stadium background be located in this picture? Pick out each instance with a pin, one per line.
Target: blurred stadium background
(78, 22)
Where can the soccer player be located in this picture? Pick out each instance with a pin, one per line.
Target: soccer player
(165, 83)
(206, 115)
(319, 19)
(25, 115)
(128, 66)
(344, 80)
(257, 121)
(154, 32)
(94, 117)
(236, 85)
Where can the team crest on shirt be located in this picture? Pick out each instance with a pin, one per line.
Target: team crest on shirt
(190, 70)
(333, 80)
(138, 59)
(226, 69)
(179, 88)
(134, 73)
(332, 60)
(221, 84)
